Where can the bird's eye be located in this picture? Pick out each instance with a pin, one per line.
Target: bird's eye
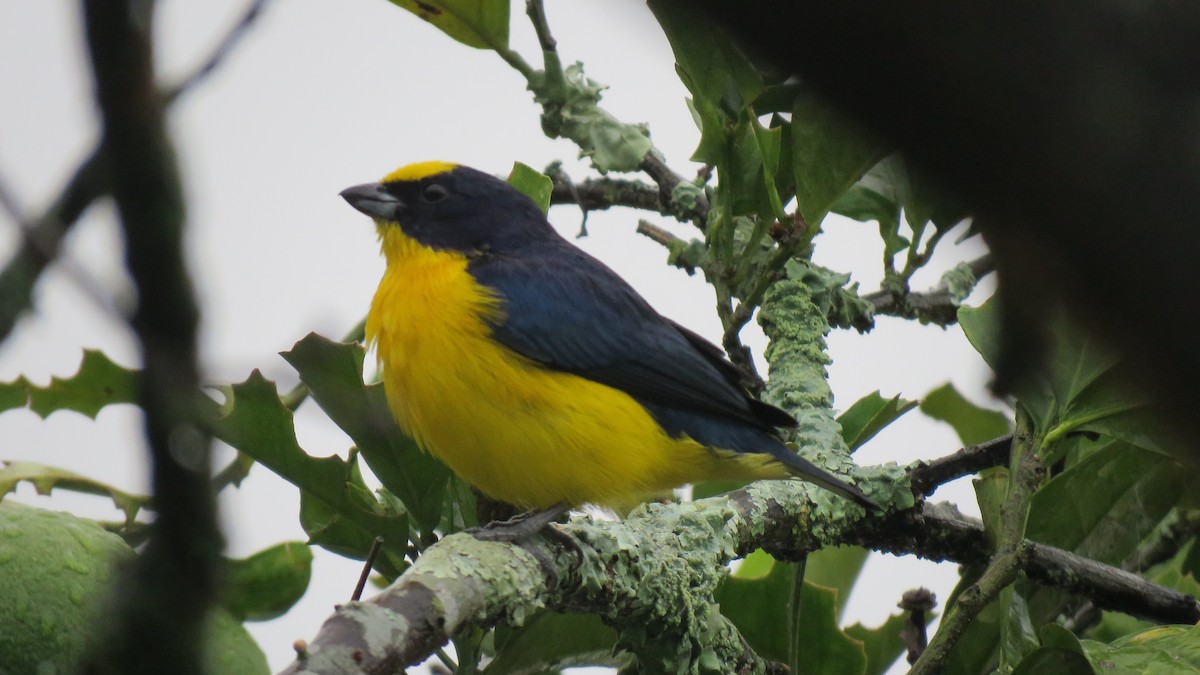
(434, 193)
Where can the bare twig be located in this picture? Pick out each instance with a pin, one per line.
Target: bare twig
(224, 47)
(918, 603)
(933, 306)
(926, 477)
(376, 546)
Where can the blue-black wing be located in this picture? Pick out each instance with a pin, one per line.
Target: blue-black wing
(569, 312)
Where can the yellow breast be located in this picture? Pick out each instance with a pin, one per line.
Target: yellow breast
(519, 432)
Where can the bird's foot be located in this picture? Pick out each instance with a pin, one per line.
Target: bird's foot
(520, 526)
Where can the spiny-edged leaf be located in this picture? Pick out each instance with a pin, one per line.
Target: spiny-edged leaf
(836, 567)
(1105, 504)
(869, 415)
(829, 154)
(758, 606)
(879, 195)
(475, 23)
(332, 371)
(46, 478)
(883, 645)
(972, 423)
(711, 65)
(254, 421)
(1162, 649)
(533, 183)
(267, 584)
(97, 383)
(552, 641)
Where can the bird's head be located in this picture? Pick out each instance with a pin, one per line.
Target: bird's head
(451, 207)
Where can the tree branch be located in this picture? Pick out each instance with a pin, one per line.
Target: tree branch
(937, 305)
(928, 476)
(462, 582)
(160, 615)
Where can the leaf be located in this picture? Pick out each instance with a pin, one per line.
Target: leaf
(973, 424)
(476, 23)
(267, 584)
(98, 382)
(47, 478)
(1018, 638)
(1106, 503)
(552, 641)
(254, 421)
(758, 606)
(709, 61)
(1162, 649)
(836, 567)
(869, 415)
(829, 154)
(332, 371)
(883, 645)
(533, 183)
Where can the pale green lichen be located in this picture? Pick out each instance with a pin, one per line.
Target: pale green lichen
(798, 380)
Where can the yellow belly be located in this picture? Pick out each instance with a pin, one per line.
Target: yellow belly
(517, 431)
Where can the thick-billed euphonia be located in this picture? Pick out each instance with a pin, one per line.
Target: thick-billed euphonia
(534, 371)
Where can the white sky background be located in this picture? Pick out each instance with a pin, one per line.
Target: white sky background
(324, 95)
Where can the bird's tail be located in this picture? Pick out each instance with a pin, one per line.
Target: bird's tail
(818, 476)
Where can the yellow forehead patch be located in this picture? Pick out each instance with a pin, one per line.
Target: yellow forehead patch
(418, 171)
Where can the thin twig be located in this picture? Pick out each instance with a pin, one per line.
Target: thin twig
(369, 563)
(926, 477)
(224, 47)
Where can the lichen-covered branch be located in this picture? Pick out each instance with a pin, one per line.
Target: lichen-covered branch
(658, 568)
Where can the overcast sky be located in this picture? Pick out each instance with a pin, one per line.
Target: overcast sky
(321, 96)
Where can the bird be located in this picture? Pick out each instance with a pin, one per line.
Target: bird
(535, 372)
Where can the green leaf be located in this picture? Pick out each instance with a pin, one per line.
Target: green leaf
(710, 63)
(879, 195)
(552, 641)
(254, 421)
(972, 423)
(476, 23)
(883, 645)
(1104, 505)
(1162, 649)
(46, 478)
(535, 184)
(836, 567)
(332, 371)
(1053, 660)
(267, 584)
(1018, 638)
(869, 415)
(97, 383)
(829, 155)
(758, 606)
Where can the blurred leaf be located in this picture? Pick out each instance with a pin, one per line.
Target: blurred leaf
(1162, 649)
(254, 421)
(758, 606)
(711, 65)
(551, 641)
(332, 371)
(533, 183)
(879, 195)
(1104, 505)
(475, 23)
(869, 415)
(829, 155)
(46, 478)
(1053, 660)
(267, 584)
(991, 488)
(836, 567)
(883, 645)
(973, 424)
(97, 383)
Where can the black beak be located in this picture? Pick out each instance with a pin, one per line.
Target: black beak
(373, 200)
